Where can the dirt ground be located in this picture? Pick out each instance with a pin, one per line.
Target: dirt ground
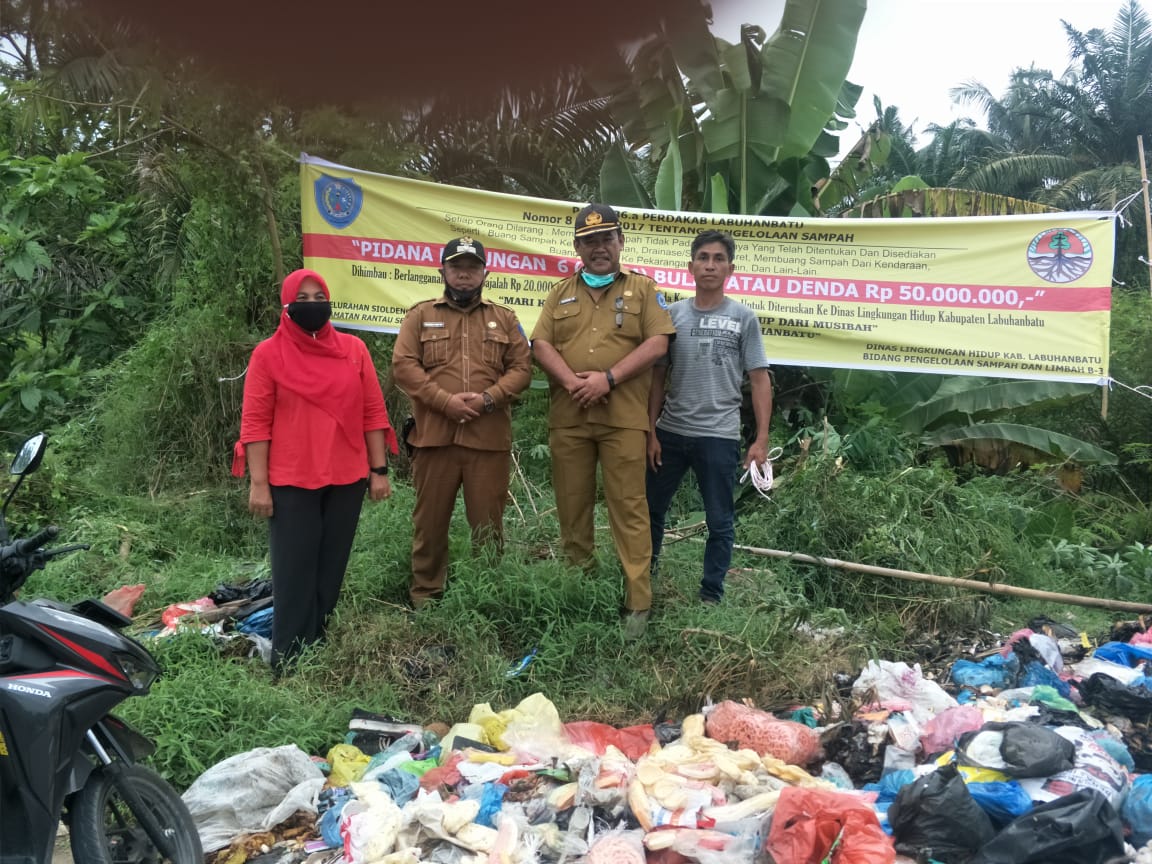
(63, 853)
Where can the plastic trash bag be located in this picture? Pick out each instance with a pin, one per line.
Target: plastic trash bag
(809, 823)
(885, 681)
(758, 730)
(1137, 810)
(1093, 769)
(994, 671)
(943, 730)
(1037, 674)
(1089, 666)
(369, 826)
(124, 598)
(238, 795)
(176, 611)
(936, 817)
(1114, 697)
(1017, 749)
(632, 741)
(1081, 828)
(1125, 654)
(348, 764)
(617, 847)
(1002, 801)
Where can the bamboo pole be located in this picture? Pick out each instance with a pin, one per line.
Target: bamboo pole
(970, 584)
(1147, 212)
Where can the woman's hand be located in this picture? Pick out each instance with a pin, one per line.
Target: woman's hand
(379, 487)
(260, 500)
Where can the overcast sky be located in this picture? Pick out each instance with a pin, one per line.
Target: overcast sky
(911, 52)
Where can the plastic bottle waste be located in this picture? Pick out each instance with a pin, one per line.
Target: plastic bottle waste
(521, 664)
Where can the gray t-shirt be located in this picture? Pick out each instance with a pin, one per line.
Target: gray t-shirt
(708, 358)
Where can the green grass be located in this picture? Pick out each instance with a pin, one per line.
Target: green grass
(782, 632)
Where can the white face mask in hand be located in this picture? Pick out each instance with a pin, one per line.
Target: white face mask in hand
(761, 475)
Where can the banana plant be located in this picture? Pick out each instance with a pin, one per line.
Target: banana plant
(741, 128)
(968, 414)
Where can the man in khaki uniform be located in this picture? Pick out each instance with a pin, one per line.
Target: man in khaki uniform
(461, 359)
(598, 335)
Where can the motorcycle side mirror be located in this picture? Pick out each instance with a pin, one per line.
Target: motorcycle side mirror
(26, 461)
(30, 455)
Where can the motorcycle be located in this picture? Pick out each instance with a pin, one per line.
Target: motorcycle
(62, 754)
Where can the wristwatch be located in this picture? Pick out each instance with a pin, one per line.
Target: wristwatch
(489, 403)
(382, 470)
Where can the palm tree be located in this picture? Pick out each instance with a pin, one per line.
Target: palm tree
(1070, 141)
(546, 140)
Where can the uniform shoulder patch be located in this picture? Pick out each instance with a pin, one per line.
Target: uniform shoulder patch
(660, 301)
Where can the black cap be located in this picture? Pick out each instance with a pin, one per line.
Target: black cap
(463, 246)
(596, 218)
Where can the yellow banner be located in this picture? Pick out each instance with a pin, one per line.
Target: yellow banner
(1005, 296)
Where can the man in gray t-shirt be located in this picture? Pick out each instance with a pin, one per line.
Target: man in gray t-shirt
(694, 406)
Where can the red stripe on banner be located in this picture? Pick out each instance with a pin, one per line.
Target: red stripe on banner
(417, 254)
(1057, 298)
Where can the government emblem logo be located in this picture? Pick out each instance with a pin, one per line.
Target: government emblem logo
(338, 200)
(1060, 255)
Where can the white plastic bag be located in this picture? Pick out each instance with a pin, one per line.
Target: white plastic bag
(885, 681)
(238, 795)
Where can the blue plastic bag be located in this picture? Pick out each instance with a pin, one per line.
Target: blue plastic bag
(1123, 653)
(1137, 810)
(1036, 673)
(994, 671)
(1002, 801)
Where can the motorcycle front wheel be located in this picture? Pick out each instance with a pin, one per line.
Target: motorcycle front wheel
(104, 830)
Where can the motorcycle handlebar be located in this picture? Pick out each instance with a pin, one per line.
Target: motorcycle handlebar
(31, 544)
(64, 550)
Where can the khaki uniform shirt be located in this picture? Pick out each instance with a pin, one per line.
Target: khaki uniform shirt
(442, 350)
(591, 335)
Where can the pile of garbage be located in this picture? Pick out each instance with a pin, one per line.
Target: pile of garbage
(1032, 753)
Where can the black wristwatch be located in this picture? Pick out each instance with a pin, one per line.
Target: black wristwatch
(382, 470)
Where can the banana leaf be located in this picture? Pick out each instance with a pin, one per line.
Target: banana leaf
(998, 437)
(960, 398)
(806, 62)
(618, 182)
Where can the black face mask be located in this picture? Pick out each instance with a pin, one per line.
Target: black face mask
(463, 299)
(310, 316)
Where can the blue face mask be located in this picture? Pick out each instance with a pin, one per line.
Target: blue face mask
(594, 281)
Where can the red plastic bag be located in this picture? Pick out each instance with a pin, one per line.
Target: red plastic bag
(124, 598)
(758, 730)
(632, 741)
(179, 610)
(811, 826)
(447, 774)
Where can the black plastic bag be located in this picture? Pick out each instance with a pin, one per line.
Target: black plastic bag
(257, 589)
(1115, 697)
(1029, 750)
(1081, 828)
(936, 817)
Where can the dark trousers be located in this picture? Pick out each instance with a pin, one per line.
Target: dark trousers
(715, 462)
(310, 536)
(438, 473)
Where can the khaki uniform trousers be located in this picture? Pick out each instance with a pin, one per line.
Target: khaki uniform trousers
(622, 454)
(437, 475)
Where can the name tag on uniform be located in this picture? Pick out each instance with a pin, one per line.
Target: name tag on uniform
(566, 300)
(433, 323)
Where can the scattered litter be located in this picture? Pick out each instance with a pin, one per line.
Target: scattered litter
(1030, 752)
